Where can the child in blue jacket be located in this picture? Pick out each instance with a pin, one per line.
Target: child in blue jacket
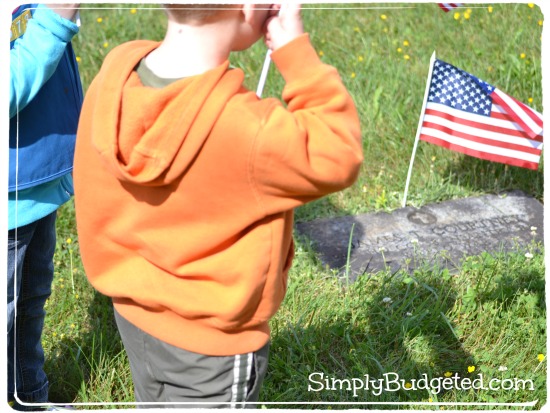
(45, 102)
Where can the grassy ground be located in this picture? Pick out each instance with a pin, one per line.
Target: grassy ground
(489, 318)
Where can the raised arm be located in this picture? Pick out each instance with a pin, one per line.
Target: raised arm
(34, 56)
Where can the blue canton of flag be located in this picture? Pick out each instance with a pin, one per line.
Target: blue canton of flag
(458, 89)
(468, 115)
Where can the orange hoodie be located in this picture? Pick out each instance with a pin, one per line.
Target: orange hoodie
(185, 194)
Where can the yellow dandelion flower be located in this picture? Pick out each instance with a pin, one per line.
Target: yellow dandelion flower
(540, 22)
(433, 158)
(353, 75)
(466, 16)
(490, 9)
(406, 57)
(105, 45)
(383, 17)
(430, 400)
(385, 30)
(78, 59)
(471, 369)
(457, 15)
(522, 55)
(356, 29)
(408, 385)
(448, 374)
(469, 11)
(541, 357)
(530, 100)
(73, 326)
(399, 50)
(405, 43)
(133, 11)
(69, 240)
(490, 69)
(62, 335)
(99, 20)
(61, 280)
(531, 5)
(360, 58)
(76, 296)
(321, 53)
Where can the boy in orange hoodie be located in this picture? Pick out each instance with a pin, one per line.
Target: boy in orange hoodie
(185, 185)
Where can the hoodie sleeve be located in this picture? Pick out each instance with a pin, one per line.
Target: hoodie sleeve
(313, 146)
(34, 56)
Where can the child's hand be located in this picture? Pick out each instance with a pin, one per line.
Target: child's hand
(283, 25)
(67, 10)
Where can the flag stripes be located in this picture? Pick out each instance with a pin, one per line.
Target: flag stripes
(496, 139)
(529, 119)
(480, 151)
(449, 6)
(501, 128)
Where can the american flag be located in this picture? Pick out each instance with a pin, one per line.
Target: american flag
(468, 115)
(449, 6)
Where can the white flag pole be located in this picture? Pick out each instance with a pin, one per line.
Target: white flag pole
(432, 60)
(263, 75)
(265, 69)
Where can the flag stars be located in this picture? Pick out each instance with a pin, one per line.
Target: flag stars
(455, 88)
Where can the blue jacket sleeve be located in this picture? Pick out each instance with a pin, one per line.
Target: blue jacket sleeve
(35, 55)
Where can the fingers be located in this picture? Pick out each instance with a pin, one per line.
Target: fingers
(283, 27)
(290, 10)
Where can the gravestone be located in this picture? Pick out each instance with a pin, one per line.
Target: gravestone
(437, 234)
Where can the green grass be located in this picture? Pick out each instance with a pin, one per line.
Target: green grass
(490, 314)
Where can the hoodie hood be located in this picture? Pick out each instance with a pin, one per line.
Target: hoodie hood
(150, 136)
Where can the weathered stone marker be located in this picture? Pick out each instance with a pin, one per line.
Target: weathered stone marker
(437, 234)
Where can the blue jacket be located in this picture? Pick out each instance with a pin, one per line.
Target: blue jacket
(45, 101)
(45, 97)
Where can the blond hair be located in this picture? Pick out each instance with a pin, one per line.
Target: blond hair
(197, 13)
